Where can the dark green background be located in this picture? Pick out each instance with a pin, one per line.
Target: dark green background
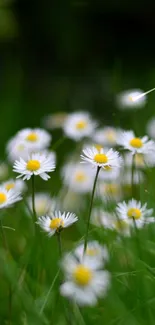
(69, 55)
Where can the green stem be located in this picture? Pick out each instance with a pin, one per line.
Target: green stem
(58, 143)
(90, 209)
(59, 244)
(132, 175)
(33, 200)
(5, 244)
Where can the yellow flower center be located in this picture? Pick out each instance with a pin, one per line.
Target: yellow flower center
(9, 186)
(56, 223)
(111, 189)
(3, 198)
(92, 251)
(100, 158)
(139, 159)
(136, 143)
(33, 165)
(134, 213)
(21, 147)
(32, 137)
(107, 168)
(98, 147)
(131, 98)
(121, 225)
(82, 275)
(111, 136)
(81, 125)
(80, 177)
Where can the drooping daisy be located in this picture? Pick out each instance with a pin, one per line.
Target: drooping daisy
(109, 190)
(134, 211)
(79, 125)
(107, 136)
(129, 141)
(101, 158)
(150, 127)
(78, 177)
(35, 139)
(8, 197)
(18, 185)
(4, 171)
(36, 164)
(126, 99)
(107, 220)
(94, 252)
(54, 121)
(56, 222)
(84, 281)
(43, 204)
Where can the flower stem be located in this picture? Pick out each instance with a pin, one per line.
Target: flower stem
(132, 175)
(90, 209)
(59, 244)
(33, 200)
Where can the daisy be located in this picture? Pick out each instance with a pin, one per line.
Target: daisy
(78, 177)
(8, 197)
(134, 210)
(84, 281)
(55, 121)
(36, 164)
(140, 160)
(107, 136)
(34, 139)
(129, 141)
(109, 191)
(94, 252)
(107, 173)
(150, 127)
(126, 177)
(16, 149)
(107, 220)
(18, 185)
(101, 158)
(79, 125)
(56, 222)
(43, 204)
(129, 99)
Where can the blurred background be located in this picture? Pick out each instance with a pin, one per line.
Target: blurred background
(69, 55)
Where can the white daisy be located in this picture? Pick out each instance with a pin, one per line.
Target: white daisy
(34, 139)
(129, 141)
(134, 210)
(56, 222)
(128, 99)
(94, 252)
(109, 191)
(55, 121)
(79, 125)
(150, 127)
(84, 281)
(78, 177)
(101, 158)
(107, 173)
(43, 204)
(36, 164)
(16, 149)
(107, 220)
(140, 160)
(107, 136)
(126, 177)
(18, 185)
(4, 171)
(8, 197)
